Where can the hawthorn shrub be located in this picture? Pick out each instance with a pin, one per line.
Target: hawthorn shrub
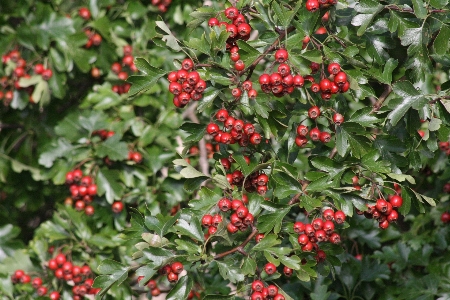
(225, 149)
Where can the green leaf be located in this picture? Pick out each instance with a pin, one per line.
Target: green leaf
(271, 221)
(201, 44)
(441, 41)
(161, 224)
(59, 148)
(249, 54)
(420, 9)
(368, 9)
(438, 3)
(169, 38)
(196, 131)
(112, 272)
(229, 272)
(364, 117)
(207, 100)
(113, 148)
(410, 98)
(402, 177)
(188, 171)
(219, 297)
(189, 226)
(181, 289)
(147, 81)
(207, 199)
(8, 242)
(157, 256)
(268, 241)
(108, 185)
(281, 14)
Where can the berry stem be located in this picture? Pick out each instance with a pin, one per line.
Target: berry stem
(269, 49)
(239, 248)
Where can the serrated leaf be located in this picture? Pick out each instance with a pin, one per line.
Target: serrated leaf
(364, 117)
(144, 82)
(420, 10)
(169, 38)
(112, 148)
(402, 177)
(112, 272)
(157, 256)
(181, 289)
(442, 40)
(410, 98)
(268, 241)
(192, 229)
(108, 185)
(196, 131)
(229, 272)
(60, 148)
(188, 171)
(208, 99)
(271, 221)
(207, 199)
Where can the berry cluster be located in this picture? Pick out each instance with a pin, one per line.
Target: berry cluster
(314, 134)
(385, 212)
(16, 68)
(94, 38)
(82, 190)
(211, 222)
(260, 292)
(234, 130)
(320, 230)
(186, 84)
(282, 82)
(445, 147)
(238, 27)
(124, 70)
(335, 83)
(20, 276)
(313, 5)
(152, 285)
(172, 271)
(162, 5)
(241, 218)
(81, 276)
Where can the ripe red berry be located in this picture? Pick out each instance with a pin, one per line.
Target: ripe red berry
(312, 5)
(231, 228)
(328, 227)
(384, 224)
(41, 291)
(281, 55)
(445, 217)
(264, 79)
(314, 134)
(396, 201)
(299, 81)
(85, 13)
(303, 239)
(54, 295)
(255, 138)
(172, 277)
(272, 290)
(244, 29)
(187, 64)
(334, 68)
(338, 119)
(231, 13)
(279, 297)
(213, 22)
(340, 78)
(287, 271)
(47, 74)
(315, 88)
(239, 65)
(325, 85)
(320, 256)
(224, 204)
(381, 205)
(60, 259)
(216, 220)
(257, 286)
(308, 247)
(242, 212)
(236, 92)
(235, 220)
(392, 217)
(248, 219)
(284, 69)
(314, 112)
(339, 217)
(335, 238)
(177, 267)
(328, 214)
(207, 220)
(117, 207)
(270, 268)
(222, 115)
(212, 129)
(317, 224)
(325, 137)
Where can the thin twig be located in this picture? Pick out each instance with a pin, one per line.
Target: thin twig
(387, 91)
(333, 153)
(239, 248)
(252, 67)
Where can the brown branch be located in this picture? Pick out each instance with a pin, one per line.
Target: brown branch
(269, 49)
(333, 153)
(438, 99)
(239, 248)
(410, 10)
(387, 91)
(295, 199)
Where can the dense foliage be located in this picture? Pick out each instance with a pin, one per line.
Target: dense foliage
(225, 149)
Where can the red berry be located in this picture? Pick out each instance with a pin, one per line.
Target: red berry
(85, 13)
(334, 68)
(41, 291)
(239, 65)
(339, 217)
(231, 13)
(338, 119)
(54, 295)
(301, 140)
(272, 290)
(257, 286)
(224, 204)
(314, 112)
(302, 130)
(314, 134)
(303, 239)
(384, 224)
(320, 256)
(325, 85)
(187, 64)
(36, 282)
(236, 92)
(52, 264)
(287, 271)
(284, 69)
(117, 207)
(172, 277)
(213, 22)
(381, 205)
(275, 79)
(235, 56)
(235, 220)
(340, 78)
(392, 217)
(325, 137)
(244, 29)
(328, 214)
(207, 220)
(445, 217)
(279, 297)
(335, 238)
(232, 29)
(299, 81)
(216, 220)
(242, 212)
(257, 296)
(47, 74)
(177, 267)
(315, 87)
(231, 228)
(248, 219)
(328, 227)
(308, 247)
(222, 115)
(255, 138)
(60, 259)
(396, 201)
(238, 20)
(270, 268)
(299, 227)
(312, 5)
(281, 55)
(317, 224)
(212, 129)
(264, 79)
